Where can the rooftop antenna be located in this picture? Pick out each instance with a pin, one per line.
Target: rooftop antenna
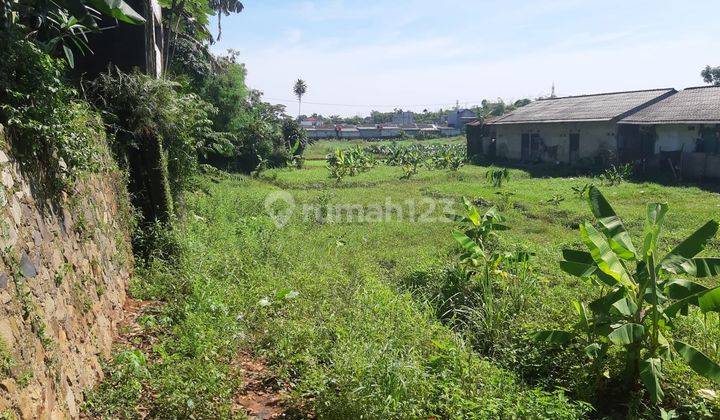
(552, 91)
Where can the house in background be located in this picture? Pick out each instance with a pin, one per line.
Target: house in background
(347, 132)
(322, 132)
(311, 122)
(682, 130)
(404, 118)
(687, 121)
(369, 132)
(572, 128)
(457, 118)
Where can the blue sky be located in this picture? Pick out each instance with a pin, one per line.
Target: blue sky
(417, 54)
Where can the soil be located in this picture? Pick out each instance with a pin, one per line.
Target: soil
(260, 397)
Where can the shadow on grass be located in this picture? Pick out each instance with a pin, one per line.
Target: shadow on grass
(562, 170)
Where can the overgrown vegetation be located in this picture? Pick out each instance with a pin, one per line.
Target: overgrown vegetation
(46, 120)
(640, 299)
(350, 162)
(363, 314)
(497, 176)
(616, 174)
(344, 340)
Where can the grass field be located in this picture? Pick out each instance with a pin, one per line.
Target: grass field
(346, 312)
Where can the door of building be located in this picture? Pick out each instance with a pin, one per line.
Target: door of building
(574, 147)
(535, 147)
(525, 147)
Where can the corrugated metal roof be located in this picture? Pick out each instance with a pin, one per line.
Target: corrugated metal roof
(597, 107)
(692, 106)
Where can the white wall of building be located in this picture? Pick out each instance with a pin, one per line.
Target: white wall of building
(675, 137)
(594, 137)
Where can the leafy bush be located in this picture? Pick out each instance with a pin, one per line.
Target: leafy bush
(615, 175)
(49, 124)
(434, 156)
(135, 105)
(248, 135)
(351, 162)
(501, 282)
(496, 176)
(640, 298)
(121, 391)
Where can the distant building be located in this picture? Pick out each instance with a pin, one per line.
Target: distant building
(573, 128)
(687, 121)
(457, 118)
(311, 122)
(403, 118)
(322, 132)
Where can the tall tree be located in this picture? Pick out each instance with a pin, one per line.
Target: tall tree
(711, 75)
(299, 89)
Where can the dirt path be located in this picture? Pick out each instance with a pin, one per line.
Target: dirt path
(261, 397)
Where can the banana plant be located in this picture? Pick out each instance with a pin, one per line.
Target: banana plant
(641, 296)
(497, 176)
(477, 232)
(337, 164)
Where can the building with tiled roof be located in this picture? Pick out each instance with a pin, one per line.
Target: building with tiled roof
(688, 121)
(627, 126)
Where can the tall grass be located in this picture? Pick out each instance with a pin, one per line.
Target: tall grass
(349, 344)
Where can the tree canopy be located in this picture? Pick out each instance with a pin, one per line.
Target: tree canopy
(711, 75)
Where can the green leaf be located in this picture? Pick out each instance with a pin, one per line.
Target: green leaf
(651, 373)
(578, 269)
(581, 264)
(699, 362)
(701, 267)
(603, 304)
(625, 306)
(682, 304)
(593, 351)
(668, 415)
(578, 256)
(553, 336)
(606, 260)
(689, 248)
(473, 215)
(69, 56)
(612, 225)
(119, 10)
(465, 241)
(681, 288)
(653, 223)
(710, 301)
(627, 334)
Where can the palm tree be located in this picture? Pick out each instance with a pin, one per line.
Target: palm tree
(300, 88)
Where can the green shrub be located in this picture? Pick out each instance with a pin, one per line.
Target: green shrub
(45, 120)
(136, 106)
(7, 361)
(121, 391)
(640, 298)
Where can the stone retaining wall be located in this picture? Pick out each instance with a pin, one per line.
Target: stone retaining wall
(66, 260)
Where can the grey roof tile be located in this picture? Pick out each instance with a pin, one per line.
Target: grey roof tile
(598, 107)
(692, 105)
